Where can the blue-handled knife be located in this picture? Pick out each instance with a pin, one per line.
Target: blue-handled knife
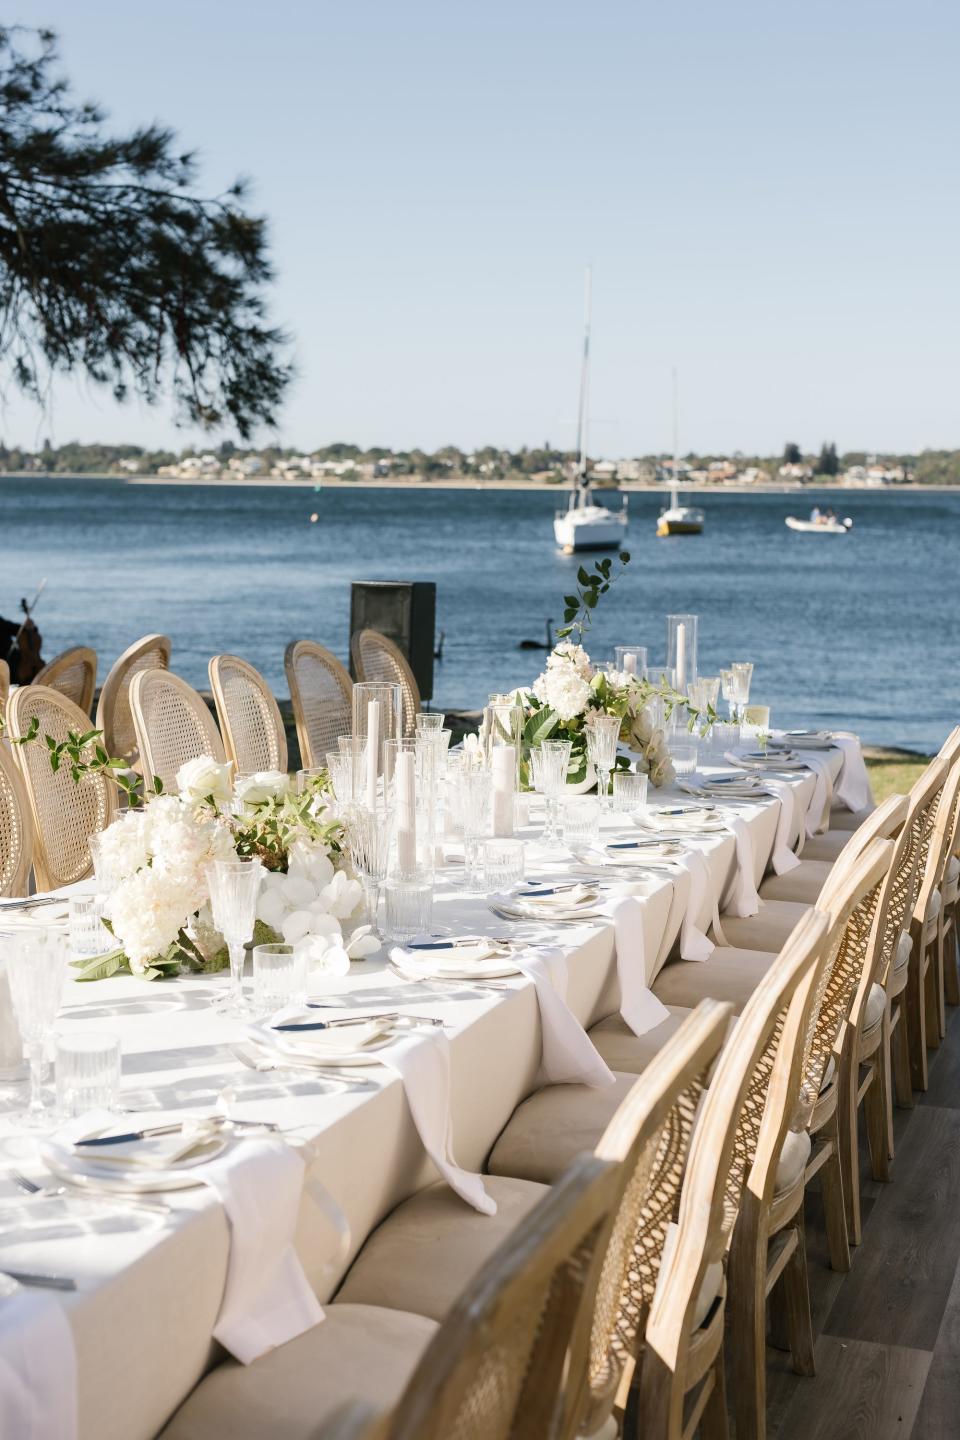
(131, 1135)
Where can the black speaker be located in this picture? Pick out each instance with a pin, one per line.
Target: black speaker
(406, 612)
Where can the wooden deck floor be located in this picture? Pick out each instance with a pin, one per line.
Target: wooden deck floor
(888, 1333)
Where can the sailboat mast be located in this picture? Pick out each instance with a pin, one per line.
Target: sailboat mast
(674, 495)
(583, 418)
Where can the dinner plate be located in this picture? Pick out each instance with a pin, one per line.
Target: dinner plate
(475, 960)
(681, 820)
(324, 1048)
(548, 908)
(86, 1171)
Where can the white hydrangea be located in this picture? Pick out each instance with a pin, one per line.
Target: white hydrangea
(564, 689)
(567, 654)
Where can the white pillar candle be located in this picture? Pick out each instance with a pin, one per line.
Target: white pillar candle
(682, 658)
(630, 664)
(373, 752)
(503, 763)
(405, 782)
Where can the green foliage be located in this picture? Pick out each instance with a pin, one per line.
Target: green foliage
(792, 454)
(591, 584)
(828, 464)
(111, 264)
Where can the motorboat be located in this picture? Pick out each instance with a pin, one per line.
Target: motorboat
(585, 525)
(823, 526)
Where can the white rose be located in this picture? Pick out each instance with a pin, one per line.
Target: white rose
(264, 785)
(203, 777)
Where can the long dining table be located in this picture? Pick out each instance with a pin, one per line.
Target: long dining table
(150, 1285)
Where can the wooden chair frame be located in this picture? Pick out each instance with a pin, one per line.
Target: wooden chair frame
(925, 979)
(64, 812)
(742, 1098)
(4, 686)
(317, 735)
(162, 744)
(16, 827)
(254, 747)
(375, 657)
(64, 667)
(150, 652)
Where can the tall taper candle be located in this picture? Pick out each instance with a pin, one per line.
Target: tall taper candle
(405, 782)
(682, 659)
(503, 763)
(373, 752)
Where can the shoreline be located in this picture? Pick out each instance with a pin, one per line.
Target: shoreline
(405, 482)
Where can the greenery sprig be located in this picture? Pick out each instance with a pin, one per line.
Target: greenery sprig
(591, 584)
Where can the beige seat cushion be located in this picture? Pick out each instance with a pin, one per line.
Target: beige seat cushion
(550, 1129)
(827, 847)
(951, 881)
(843, 819)
(874, 1007)
(802, 885)
(631, 1053)
(425, 1252)
(770, 930)
(730, 974)
(356, 1352)
(709, 1286)
(793, 1160)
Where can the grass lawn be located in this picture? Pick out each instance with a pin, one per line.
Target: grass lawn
(892, 770)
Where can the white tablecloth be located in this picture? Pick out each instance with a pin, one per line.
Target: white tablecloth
(149, 1296)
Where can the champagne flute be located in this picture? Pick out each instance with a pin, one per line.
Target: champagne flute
(36, 967)
(234, 886)
(602, 736)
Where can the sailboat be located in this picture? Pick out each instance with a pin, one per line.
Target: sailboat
(584, 525)
(679, 519)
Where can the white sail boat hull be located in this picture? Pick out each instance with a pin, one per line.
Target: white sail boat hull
(589, 527)
(681, 520)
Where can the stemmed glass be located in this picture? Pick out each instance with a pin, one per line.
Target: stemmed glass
(475, 805)
(602, 737)
(742, 675)
(36, 967)
(550, 761)
(728, 687)
(234, 886)
(369, 833)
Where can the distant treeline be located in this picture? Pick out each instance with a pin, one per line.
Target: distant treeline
(932, 467)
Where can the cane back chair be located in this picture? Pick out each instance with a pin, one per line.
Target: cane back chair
(152, 652)
(250, 721)
(172, 725)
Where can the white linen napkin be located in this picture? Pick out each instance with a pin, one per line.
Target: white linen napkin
(743, 899)
(569, 1056)
(639, 1006)
(38, 1367)
(267, 1299)
(853, 787)
(783, 858)
(422, 1060)
(694, 944)
(818, 811)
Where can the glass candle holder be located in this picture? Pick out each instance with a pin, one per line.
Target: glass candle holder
(409, 905)
(87, 1072)
(631, 660)
(682, 648)
(377, 717)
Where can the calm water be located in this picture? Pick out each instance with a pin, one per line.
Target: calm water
(860, 630)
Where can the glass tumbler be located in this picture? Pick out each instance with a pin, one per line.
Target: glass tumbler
(503, 865)
(87, 1072)
(629, 792)
(409, 905)
(88, 934)
(278, 976)
(580, 821)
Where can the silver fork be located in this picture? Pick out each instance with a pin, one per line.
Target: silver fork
(264, 1063)
(72, 1192)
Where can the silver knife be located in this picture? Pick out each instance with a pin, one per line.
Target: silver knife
(172, 1129)
(44, 1282)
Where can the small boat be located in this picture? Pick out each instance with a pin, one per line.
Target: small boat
(820, 527)
(585, 525)
(678, 519)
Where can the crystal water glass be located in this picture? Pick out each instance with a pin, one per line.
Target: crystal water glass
(88, 934)
(369, 833)
(603, 734)
(725, 737)
(553, 763)
(234, 886)
(728, 691)
(278, 976)
(429, 721)
(580, 817)
(36, 970)
(683, 753)
(503, 865)
(742, 675)
(475, 803)
(87, 1072)
(409, 905)
(629, 792)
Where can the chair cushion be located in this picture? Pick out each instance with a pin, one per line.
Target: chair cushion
(951, 881)
(843, 819)
(730, 974)
(802, 885)
(553, 1126)
(631, 1053)
(770, 930)
(933, 906)
(356, 1352)
(709, 1285)
(875, 1005)
(793, 1160)
(828, 846)
(423, 1255)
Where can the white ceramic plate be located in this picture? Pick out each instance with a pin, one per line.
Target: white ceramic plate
(474, 960)
(317, 1048)
(84, 1171)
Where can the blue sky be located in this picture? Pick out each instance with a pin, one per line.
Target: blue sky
(767, 193)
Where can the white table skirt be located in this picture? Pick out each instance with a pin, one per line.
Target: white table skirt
(148, 1298)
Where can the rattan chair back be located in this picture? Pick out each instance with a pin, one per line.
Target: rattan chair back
(172, 725)
(648, 1139)
(16, 827)
(321, 692)
(4, 686)
(74, 674)
(497, 1367)
(941, 843)
(250, 720)
(377, 658)
(64, 811)
(152, 652)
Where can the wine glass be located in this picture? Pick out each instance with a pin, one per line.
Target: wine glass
(369, 833)
(551, 761)
(742, 675)
(36, 968)
(234, 886)
(602, 736)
